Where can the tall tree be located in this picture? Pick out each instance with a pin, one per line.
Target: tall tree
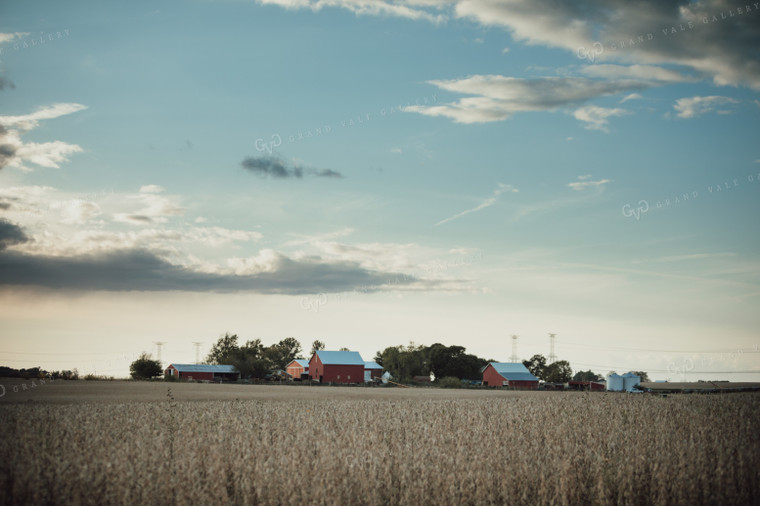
(316, 346)
(558, 372)
(586, 376)
(145, 367)
(404, 362)
(284, 352)
(454, 362)
(644, 376)
(536, 365)
(225, 348)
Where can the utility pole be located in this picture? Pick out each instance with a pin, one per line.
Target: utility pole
(552, 356)
(514, 349)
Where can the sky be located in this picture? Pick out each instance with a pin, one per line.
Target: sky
(372, 173)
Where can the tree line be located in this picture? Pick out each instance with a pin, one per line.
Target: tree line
(254, 360)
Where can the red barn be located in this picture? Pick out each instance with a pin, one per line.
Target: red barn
(297, 368)
(203, 372)
(337, 367)
(507, 374)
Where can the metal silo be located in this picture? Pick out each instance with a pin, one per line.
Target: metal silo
(630, 380)
(615, 383)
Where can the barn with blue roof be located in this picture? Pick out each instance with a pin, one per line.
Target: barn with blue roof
(337, 367)
(203, 372)
(509, 374)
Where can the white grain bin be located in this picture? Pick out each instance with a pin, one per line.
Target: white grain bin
(614, 383)
(630, 380)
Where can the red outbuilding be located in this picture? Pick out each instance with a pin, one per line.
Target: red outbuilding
(297, 368)
(337, 367)
(594, 386)
(508, 374)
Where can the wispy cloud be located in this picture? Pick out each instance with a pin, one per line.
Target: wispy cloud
(410, 10)
(502, 188)
(154, 207)
(595, 118)
(14, 152)
(584, 183)
(499, 97)
(273, 167)
(692, 107)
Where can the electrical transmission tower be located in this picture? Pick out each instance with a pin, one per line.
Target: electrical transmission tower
(159, 344)
(552, 356)
(514, 358)
(197, 351)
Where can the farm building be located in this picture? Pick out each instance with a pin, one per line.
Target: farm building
(203, 372)
(337, 367)
(298, 368)
(630, 380)
(614, 382)
(507, 374)
(372, 370)
(594, 386)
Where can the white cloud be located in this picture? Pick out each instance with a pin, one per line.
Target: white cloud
(711, 43)
(75, 211)
(9, 37)
(596, 117)
(692, 107)
(637, 72)
(410, 10)
(154, 208)
(500, 97)
(632, 96)
(30, 121)
(585, 183)
(151, 188)
(14, 152)
(486, 203)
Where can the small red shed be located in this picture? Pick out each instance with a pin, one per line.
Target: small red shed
(509, 374)
(594, 386)
(337, 367)
(297, 368)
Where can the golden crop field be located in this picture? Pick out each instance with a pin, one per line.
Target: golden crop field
(92, 443)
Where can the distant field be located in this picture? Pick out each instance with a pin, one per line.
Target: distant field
(129, 443)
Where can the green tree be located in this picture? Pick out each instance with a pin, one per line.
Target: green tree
(644, 376)
(145, 367)
(316, 346)
(453, 361)
(223, 349)
(404, 362)
(282, 353)
(536, 365)
(558, 372)
(586, 376)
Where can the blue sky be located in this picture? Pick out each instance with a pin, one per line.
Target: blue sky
(371, 173)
